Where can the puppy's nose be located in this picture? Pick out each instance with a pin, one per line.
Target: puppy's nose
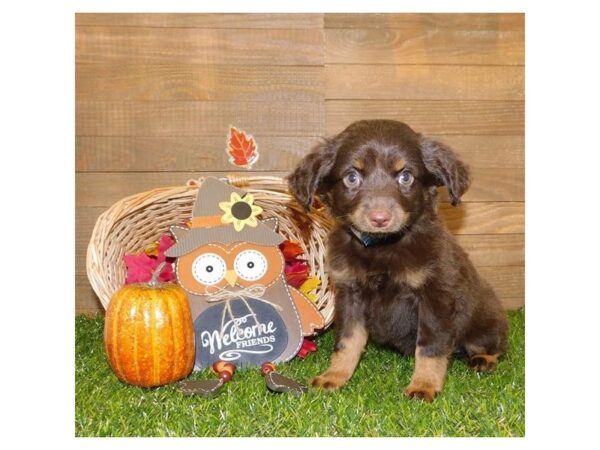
(379, 218)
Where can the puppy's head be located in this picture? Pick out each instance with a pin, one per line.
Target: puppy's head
(378, 176)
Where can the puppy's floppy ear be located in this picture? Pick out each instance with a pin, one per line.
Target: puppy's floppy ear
(445, 167)
(309, 177)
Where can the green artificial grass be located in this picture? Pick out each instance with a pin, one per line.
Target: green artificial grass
(372, 404)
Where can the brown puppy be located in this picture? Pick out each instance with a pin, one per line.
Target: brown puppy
(400, 278)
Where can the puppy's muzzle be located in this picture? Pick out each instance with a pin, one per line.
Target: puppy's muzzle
(379, 218)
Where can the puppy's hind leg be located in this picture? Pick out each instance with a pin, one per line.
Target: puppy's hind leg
(484, 345)
(344, 359)
(482, 362)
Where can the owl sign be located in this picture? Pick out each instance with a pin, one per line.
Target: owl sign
(230, 264)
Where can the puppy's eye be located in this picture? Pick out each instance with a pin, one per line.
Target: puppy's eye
(352, 179)
(405, 178)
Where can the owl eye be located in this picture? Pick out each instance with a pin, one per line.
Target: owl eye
(250, 265)
(208, 268)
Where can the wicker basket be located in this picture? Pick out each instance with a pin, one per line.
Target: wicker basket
(135, 222)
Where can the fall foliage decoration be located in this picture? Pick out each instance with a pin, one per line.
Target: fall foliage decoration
(308, 288)
(141, 266)
(148, 333)
(241, 148)
(308, 346)
(297, 270)
(290, 250)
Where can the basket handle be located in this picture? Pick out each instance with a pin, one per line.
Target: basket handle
(240, 181)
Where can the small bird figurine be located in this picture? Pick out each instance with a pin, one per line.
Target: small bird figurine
(278, 383)
(209, 388)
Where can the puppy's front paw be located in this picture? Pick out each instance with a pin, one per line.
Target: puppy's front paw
(330, 380)
(422, 391)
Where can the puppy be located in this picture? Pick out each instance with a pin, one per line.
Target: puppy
(400, 278)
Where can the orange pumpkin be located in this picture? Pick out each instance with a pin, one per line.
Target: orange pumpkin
(148, 333)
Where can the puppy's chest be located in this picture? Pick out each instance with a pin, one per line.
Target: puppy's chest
(390, 312)
(384, 288)
(375, 279)
(403, 266)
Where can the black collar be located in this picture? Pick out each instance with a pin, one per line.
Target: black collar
(373, 240)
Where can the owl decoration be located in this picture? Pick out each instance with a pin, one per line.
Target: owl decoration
(230, 264)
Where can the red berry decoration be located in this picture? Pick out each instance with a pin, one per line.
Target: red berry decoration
(266, 368)
(218, 366)
(225, 376)
(224, 370)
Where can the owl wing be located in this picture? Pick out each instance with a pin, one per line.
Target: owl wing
(310, 317)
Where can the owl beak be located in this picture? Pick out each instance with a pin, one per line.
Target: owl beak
(231, 277)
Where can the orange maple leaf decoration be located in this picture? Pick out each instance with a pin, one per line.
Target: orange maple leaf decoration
(241, 148)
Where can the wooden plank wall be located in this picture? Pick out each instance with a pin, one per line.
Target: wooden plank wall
(155, 94)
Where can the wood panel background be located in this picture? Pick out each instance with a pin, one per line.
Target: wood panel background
(155, 94)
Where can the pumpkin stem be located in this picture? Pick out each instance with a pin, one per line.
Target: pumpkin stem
(156, 274)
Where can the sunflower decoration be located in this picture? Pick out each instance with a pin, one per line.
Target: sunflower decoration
(240, 211)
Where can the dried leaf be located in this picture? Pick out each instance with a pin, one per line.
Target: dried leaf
(308, 287)
(290, 249)
(152, 249)
(164, 243)
(241, 148)
(296, 272)
(140, 267)
(308, 346)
